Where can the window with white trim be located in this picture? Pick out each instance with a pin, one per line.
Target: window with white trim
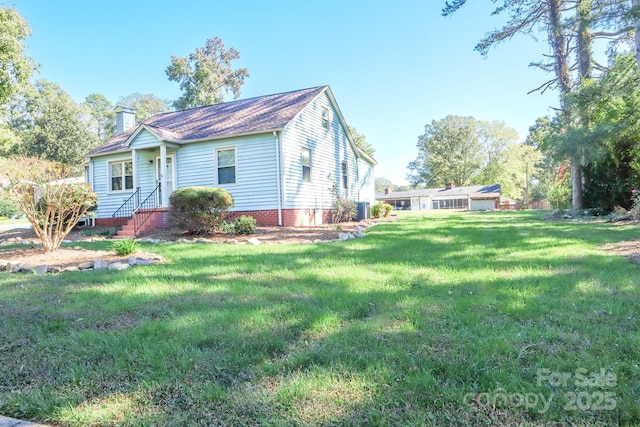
(121, 175)
(345, 175)
(226, 163)
(306, 165)
(326, 118)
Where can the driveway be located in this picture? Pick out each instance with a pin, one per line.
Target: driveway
(14, 226)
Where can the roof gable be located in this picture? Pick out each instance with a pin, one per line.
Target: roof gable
(235, 118)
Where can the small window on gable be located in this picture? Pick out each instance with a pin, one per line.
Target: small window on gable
(226, 159)
(345, 175)
(326, 119)
(121, 175)
(306, 165)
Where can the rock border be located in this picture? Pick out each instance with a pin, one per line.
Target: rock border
(97, 264)
(149, 259)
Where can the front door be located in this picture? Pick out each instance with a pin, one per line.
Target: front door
(169, 173)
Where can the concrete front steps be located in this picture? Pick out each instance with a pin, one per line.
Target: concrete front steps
(156, 218)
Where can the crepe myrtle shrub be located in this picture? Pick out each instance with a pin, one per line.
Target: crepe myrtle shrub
(51, 200)
(199, 210)
(244, 224)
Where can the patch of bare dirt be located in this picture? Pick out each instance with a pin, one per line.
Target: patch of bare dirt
(32, 254)
(629, 249)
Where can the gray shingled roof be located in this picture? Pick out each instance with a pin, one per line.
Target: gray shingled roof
(475, 190)
(247, 116)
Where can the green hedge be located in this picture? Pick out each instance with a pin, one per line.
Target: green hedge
(199, 210)
(380, 210)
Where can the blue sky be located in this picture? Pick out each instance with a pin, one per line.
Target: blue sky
(393, 68)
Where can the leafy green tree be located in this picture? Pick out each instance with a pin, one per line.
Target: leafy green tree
(611, 152)
(448, 152)
(146, 105)
(545, 172)
(495, 139)
(58, 128)
(383, 183)
(103, 121)
(206, 74)
(361, 141)
(15, 67)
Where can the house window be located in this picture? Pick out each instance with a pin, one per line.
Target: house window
(226, 166)
(306, 165)
(121, 174)
(325, 118)
(345, 175)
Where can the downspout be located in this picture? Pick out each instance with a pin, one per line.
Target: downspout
(278, 141)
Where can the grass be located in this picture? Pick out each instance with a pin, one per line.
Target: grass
(441, 319)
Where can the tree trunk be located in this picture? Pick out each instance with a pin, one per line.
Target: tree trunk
(561, 65)
(636, 27)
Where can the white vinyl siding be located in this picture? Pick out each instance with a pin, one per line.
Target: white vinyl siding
(366, 182)
(328, 150)
(255, 160)
(144, 139)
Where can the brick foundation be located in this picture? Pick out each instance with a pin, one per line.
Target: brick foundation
(290, 217)
(267, 217)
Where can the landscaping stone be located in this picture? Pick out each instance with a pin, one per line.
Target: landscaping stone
(41, 269)
(15, 267)
(3, 264)
(73, 268)
(358, 233)
(140, 261)
(55, 270)
(117, 266)
(253, 241)
(86, 265)
(100, 264)
(344, 236)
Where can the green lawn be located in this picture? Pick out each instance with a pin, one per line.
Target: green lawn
(440, 319)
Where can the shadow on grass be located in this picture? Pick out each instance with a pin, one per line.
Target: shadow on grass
(396, 328)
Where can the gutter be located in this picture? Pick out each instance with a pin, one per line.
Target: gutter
(278, 140)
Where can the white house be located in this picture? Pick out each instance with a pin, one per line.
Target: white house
(473, 198)
(278, 155)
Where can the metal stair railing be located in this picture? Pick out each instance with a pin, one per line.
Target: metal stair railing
(126, 210)
(145, 209)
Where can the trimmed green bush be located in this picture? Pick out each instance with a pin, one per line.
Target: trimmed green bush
(199, 210)
(7, 207)
(244, 225)
(387, 208)
(380, 210)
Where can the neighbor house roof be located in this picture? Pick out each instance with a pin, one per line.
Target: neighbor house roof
(474, 191)
(243, 117)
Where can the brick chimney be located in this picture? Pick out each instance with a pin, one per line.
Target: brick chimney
(448, 186)
(125, 118)
(387, 191)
